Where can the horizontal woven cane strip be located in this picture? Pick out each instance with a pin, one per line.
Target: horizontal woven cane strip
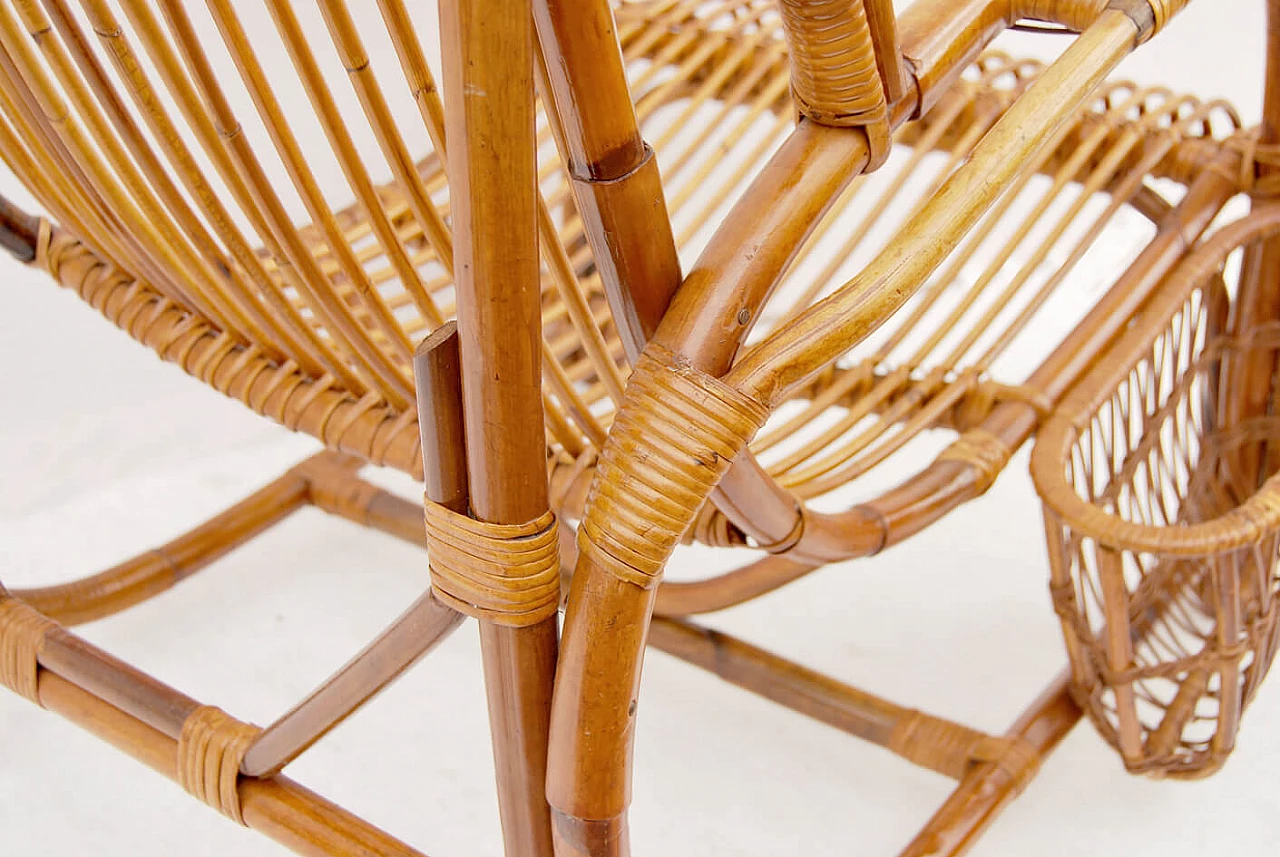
(366, 427)
(503, 573)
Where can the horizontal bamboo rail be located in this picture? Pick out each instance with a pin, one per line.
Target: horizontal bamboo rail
(287, 812)
(143, 717)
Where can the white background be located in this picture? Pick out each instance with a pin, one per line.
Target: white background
(105, 451)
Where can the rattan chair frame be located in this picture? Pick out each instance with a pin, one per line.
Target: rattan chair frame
(558, 284)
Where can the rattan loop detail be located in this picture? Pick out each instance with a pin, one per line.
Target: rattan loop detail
(210, 749)
(1259, 173)
(22, 632)
(674, 438)
(504, 573)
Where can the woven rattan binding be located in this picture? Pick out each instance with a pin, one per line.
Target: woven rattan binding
(504, 573)
(636, 515)
(22, 632)
(210, 749)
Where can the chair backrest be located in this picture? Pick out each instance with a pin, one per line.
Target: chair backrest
(216, 153)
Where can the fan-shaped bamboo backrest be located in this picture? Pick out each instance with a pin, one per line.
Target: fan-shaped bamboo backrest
(188, 160)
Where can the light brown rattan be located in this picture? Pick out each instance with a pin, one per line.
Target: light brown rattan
(1162, 514)
(300, 238)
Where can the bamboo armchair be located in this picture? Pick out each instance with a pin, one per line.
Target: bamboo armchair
(591, 378)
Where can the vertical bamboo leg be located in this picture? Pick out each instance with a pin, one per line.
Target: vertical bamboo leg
(489, 123)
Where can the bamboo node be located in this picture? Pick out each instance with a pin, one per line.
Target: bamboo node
(1149, 16)
(504, 573)
(22, 634)
(210, 750)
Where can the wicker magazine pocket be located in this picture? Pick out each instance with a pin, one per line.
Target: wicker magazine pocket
(1162, 511)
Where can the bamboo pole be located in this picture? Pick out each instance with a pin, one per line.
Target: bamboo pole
(489, 125)
(613, 173)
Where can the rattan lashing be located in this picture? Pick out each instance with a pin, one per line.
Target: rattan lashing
(992, 182)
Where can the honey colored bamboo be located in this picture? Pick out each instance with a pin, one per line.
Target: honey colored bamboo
(290, 814)
(587, 784)
(151, 573)
(766, 373)
(612, 172)
(489, 114)
(561, 271)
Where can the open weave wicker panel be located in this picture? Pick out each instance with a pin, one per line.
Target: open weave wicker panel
(1162, 507)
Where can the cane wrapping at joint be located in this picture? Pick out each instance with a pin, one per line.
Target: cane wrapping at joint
(986, 453)
(834, 77)
(952, 749)
(22, 631)
(503, 573)
(210, 749)
(674, 437)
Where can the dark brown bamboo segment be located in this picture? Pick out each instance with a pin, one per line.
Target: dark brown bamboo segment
(613, 173)
(19, 231)
(437, 369)
(408, 639)
(489, 116)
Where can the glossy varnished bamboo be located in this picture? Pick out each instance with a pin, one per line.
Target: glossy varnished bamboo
(593, 724)
(290, 814)
(489, 125)
(427, 622)
(488, 453)
(144, 576)
(1251, 378)
(612, 171)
